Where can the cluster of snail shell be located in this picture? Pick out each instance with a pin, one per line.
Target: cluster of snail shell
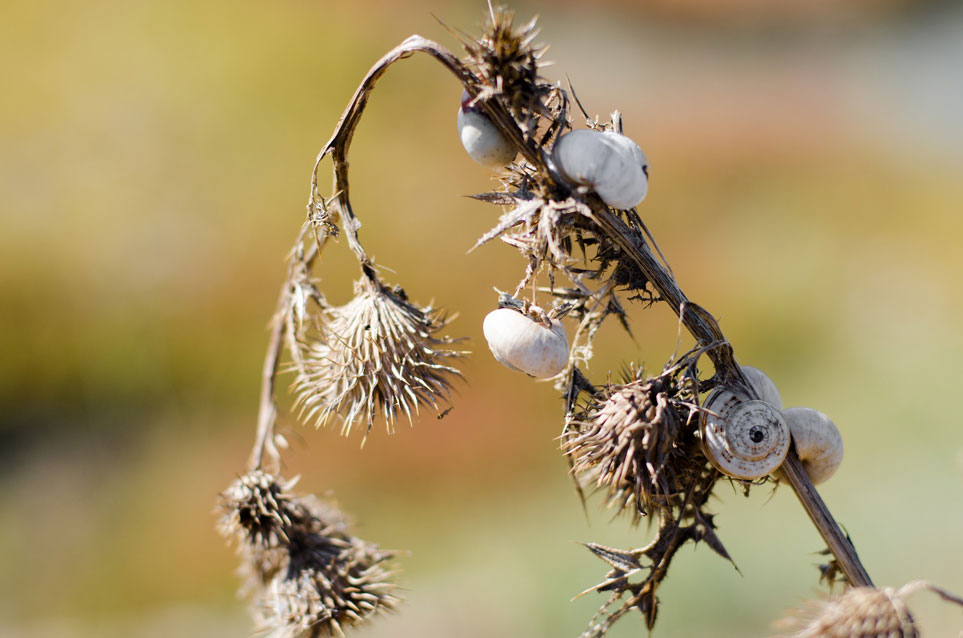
(749, 439)
(606, 162)
(743, 438)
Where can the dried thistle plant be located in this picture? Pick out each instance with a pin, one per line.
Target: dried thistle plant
(305, 574)
(377, 353)
(639, 442)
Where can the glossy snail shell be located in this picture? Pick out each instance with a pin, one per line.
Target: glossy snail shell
(818, 442)
(612, 164)
(748, 439)
(763, 385)
(523, 344)
(481, 139)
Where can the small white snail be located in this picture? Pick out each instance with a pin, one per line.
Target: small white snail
(481, 138)
(748, 439)
(523, 344)
(612, 164)
(818, 442)
(763, 385)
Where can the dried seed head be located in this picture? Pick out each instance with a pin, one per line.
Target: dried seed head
(862, 612)
(506, 61)
(306, 574)
(331, 583)
(377, 353)
(632, 442)
(258, 510)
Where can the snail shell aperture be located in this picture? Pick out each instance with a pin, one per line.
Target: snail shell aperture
(481, 138)
(523, 344)
(612, 164)
(818, 442)
(748, 439)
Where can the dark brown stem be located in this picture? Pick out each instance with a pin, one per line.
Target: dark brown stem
(706, 331)
(794, 473)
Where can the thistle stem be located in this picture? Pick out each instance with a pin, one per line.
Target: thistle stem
(706, 330)
(267, 410)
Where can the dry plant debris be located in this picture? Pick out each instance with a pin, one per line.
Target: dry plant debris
(637, 442)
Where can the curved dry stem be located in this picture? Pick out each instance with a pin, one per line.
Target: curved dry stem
(267, 409)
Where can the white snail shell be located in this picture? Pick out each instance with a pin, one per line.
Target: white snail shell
(481, 138)
(523, 344)
(748, 440)
(763, 385)
(818, 442)
(612, 164)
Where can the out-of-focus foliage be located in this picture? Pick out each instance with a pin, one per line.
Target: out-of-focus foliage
(154, 161)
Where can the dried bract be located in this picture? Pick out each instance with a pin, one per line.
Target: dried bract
(377, 353)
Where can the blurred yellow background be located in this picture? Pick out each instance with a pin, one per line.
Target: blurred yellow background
(807, 185)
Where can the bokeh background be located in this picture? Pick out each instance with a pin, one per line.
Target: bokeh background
(807, 186)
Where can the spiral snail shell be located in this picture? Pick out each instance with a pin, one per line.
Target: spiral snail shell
(610, 163)
(481, 139)
(818, 442)
(743, 439)
(763, 385)
(521, 343)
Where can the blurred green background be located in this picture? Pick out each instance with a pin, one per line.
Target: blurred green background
(807, 184)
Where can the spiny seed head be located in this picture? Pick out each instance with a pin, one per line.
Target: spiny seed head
(506, 61)
(630, 442)
(306, 574)
(377, 353)
(257, 509)
(861, 612)
(331, 583)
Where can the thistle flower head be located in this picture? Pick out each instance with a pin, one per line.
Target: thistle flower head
(631, 441)
(377, 353)
(861, 612)
(506, 62)
(257, 509)
(306, 574)
(331, 583)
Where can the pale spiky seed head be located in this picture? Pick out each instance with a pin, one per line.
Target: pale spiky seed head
(630, 442)
(861, 612)
(377, 353)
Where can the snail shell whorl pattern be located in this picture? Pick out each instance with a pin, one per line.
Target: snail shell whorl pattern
(521, 343)
(818, 442)
(612, 164)
(747, 440)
